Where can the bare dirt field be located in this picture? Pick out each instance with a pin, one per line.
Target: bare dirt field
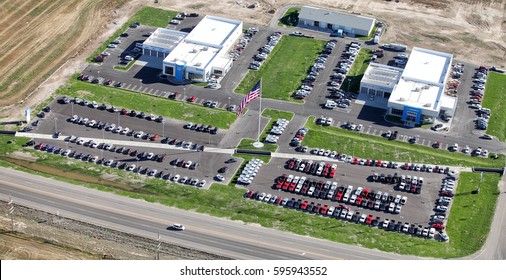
(40, 235)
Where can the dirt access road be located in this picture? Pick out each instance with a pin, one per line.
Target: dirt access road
(44, 37)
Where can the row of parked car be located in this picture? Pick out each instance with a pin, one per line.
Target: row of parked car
(298, 137)
(201, 128)
(250, 171)
(135, 168)
(277, 129)
(315, 168)
(345, 213)
(265, 51)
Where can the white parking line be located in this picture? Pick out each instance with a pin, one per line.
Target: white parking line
(374, 132)
(150, 90)
(166, 94)
(200, 101)
(423, 141)
(369, 129)
(128, 86)
(133, 87)
(338, 124)
(446, 148)
(156, 92)
(183, 97)
(429, 143)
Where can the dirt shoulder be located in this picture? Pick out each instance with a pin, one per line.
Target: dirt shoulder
(41, 235)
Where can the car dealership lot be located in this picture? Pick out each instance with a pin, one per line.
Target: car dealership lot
(418, 209)
(60, 113)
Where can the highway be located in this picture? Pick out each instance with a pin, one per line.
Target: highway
(232, 239)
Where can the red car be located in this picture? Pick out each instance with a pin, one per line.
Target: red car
(438, 226)
(378, 163)
(249, 194)
(339, 196)
(368, 162)
(366, 192)
(332, 173)
(355, 161)
(406, 166)
(292, 186)
(304, 205)
(326, 170)
(278, 200)
(123, 111)
(154, 137)
(324, 210)
(368, 220)
(192, 98)
(359, 200)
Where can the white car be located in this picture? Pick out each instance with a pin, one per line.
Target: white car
(175, 21)
(201, 183)
(131, 167)
(177, 227)
(150, 156)
(219, 178)
(176, 178)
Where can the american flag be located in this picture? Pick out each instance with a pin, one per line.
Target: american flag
(252, 95)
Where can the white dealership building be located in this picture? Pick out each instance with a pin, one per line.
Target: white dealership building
(418, 94)
(198, 55)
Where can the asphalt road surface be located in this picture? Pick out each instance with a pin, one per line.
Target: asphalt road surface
(228, 238)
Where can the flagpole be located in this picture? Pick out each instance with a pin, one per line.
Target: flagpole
(260, 111)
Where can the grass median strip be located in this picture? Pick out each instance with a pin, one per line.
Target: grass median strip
(274, 115)
(180, 110)
(495, 101)
(284, 69)
(291, 18)
(374, 147)
(354, 76)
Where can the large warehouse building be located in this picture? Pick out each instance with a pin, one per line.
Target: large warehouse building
(324, 20)
(418, 94)
(198, 55)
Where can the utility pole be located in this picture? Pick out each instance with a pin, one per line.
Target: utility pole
(11, 212)
(158, 247)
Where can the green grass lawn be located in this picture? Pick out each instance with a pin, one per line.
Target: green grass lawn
(274, 115)
(290, 18)
(352, 81)
(375, 147)
(146, 16)
(147, 103)
(495, 101)
(471, 214)
(284, 69)
(126, 67)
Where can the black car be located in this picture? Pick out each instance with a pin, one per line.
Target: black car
(119, 84)
(231, 160)
(123, 35)
(223, 169)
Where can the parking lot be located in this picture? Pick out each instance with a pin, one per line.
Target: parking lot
(418, 209)
(169, 132)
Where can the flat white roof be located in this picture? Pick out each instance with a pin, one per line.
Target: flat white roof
(382, 75)
(212, 31)
(192, 54)
(165, 39)
(204, 42)
(423, 80)
(427, 66)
